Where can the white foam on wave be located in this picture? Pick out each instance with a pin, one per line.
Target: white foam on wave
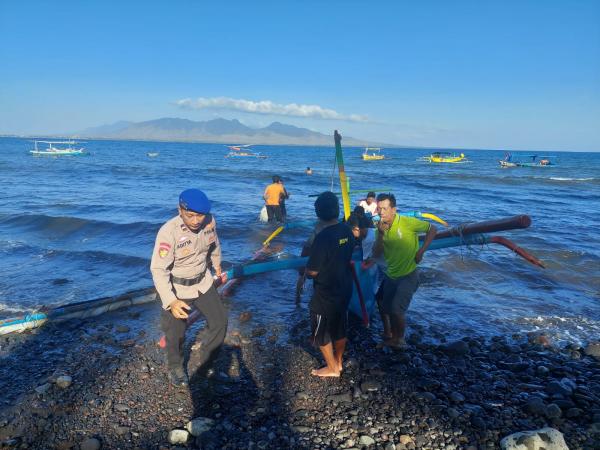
(565, 329)
(570, 179)
(13, 310)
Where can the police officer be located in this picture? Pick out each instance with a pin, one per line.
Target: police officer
(186, 248)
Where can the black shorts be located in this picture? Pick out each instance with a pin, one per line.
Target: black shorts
(326, 330)
(397, 293)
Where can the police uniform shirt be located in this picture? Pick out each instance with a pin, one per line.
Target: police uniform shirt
(179, 252)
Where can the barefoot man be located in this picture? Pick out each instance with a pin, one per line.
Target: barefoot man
(398, 241)
(329, 267)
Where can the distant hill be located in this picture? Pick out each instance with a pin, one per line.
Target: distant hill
(216, 130)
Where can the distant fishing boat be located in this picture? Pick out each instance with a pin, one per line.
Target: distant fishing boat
(444, 157)
(533, 161)
(372, 154)
(152, 154)
(243, 151)
(53, 150)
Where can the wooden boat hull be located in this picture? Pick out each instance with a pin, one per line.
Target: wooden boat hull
(457, 159)
(58, 153)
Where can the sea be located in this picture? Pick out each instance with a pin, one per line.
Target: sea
(80, 228)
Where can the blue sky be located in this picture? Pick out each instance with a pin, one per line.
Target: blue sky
(454, 74)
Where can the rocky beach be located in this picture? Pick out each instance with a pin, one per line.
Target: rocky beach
(101, 383)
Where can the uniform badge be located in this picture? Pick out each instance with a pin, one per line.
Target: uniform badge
(163, 249)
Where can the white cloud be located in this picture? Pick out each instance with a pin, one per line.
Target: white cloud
(268, 107)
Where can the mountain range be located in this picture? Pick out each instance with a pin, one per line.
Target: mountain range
(216, 130)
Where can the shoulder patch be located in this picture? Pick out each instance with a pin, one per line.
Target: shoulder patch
(163, 249)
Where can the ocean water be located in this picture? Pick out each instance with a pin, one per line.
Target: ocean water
(79, 228)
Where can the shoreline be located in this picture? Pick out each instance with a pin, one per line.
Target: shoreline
(469, 393)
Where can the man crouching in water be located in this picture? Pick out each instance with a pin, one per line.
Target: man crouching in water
(329, 267)
(180, 270)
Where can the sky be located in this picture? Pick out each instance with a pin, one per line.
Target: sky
(454, 74)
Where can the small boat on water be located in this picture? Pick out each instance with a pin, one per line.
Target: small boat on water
(444, 157)
(53, 150)
(532, 161)
(152, 154)
(372, 154)
(243, 151)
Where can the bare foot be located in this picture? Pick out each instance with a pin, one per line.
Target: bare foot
(325, 372)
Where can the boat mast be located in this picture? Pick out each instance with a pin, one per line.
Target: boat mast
(344, 182)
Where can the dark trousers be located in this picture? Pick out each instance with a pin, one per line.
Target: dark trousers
(212, 308)
(274, 213)
(283, 211)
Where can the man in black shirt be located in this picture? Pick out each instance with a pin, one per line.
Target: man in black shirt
(329, 267)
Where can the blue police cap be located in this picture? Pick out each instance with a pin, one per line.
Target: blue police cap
(194, 200)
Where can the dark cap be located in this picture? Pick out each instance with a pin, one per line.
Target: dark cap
(371, 194)
(327, 206)
(194, 200)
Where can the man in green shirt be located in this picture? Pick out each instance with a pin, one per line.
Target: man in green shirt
(398, 240)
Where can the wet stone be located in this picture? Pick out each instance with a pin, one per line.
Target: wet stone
(90, 444)
(366, 440)
(457, 397)
(178, 437)
(553, 411)
(340, 398)
(64, 381)
(302, 395)
(370, 386)
(535, 405)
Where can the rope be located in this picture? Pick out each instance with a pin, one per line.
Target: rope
(333, 172)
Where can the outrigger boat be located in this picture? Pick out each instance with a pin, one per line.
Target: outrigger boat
(52, 150)
(240, 151)
(535, 161)
(362, 303)
(372, 154)
(444, 157)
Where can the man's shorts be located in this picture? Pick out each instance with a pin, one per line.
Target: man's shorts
(396, 294)
(328, 329)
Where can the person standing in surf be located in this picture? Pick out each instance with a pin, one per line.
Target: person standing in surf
(282, 198)
(398, 240)
(272, 195)
(186, 248)
(329, 267)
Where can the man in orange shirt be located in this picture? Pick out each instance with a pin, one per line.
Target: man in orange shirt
(273, 194)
